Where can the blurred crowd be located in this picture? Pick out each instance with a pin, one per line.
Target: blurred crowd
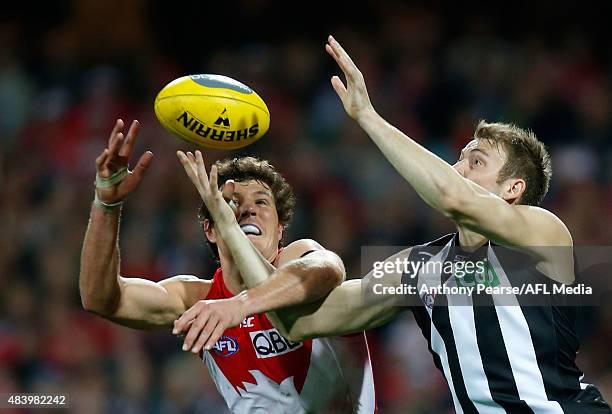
(67, 76)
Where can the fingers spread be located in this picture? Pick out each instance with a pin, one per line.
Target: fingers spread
(338, 50)
(342, 58)
(191, 157)
(130, 139)
(116, 129)
(142, 165)
(190, 168)
(201, 168)
(331, 52)
(115, 145)
(100, 160)
(182, 157)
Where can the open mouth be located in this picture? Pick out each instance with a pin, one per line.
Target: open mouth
(251, 229)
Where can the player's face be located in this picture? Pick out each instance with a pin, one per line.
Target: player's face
(257, 216)
(481, 162)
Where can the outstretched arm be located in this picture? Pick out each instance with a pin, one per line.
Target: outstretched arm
(133, 302)
(436, 181)
(351, 307)
(343, 311)
(346, 309)
(431, 177)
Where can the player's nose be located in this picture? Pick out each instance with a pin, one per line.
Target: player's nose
(247, 209)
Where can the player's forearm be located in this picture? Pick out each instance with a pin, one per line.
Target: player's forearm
(341, 312)
(298, 282)
(98, 283)
(305, 279)
(275, 291)
(434, 180)
(254, 268)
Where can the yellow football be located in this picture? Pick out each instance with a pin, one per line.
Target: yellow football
(212, 111)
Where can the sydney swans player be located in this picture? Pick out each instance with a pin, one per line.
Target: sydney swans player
(254, 367)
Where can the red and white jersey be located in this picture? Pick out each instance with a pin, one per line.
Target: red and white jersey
(258, 371)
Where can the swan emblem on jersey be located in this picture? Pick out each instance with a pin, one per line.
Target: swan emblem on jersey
(285, 393)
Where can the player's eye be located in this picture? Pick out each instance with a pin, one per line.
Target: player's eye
(262, 202)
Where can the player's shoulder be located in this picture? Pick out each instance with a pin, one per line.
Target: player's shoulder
(184, 279)
(303, 247)
(427, 250)
(550, 227)
(440, 241)
(299, 248)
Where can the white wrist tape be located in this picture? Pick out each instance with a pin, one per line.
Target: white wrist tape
(106, 182)
(113, 180)
(106, 206)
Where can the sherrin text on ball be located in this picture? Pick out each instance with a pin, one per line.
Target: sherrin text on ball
(212, 111)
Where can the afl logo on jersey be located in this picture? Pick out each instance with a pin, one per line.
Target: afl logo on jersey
(226, 346)
(428, 299)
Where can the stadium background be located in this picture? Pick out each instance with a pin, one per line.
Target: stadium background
(69, 68)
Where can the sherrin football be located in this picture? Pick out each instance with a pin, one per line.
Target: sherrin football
(212, 111)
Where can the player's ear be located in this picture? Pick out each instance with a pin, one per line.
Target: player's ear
(514, 189)
(280, 230)
(209, 230)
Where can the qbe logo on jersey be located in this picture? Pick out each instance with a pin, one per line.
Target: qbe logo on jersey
(270, 343)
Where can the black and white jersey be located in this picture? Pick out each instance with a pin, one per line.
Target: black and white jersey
(500, 357)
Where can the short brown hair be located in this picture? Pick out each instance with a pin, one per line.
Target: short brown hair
(527, 158)
(251, 168)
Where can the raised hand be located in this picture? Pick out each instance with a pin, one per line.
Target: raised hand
(115, 181)
(218, 202)
(354, 95)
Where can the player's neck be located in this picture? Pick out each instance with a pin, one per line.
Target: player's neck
(231, 275)
(470, 240)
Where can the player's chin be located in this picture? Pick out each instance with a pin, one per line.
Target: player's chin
(260, 242)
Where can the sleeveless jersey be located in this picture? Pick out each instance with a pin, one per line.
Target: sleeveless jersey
(499, 356)
(256, 370)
